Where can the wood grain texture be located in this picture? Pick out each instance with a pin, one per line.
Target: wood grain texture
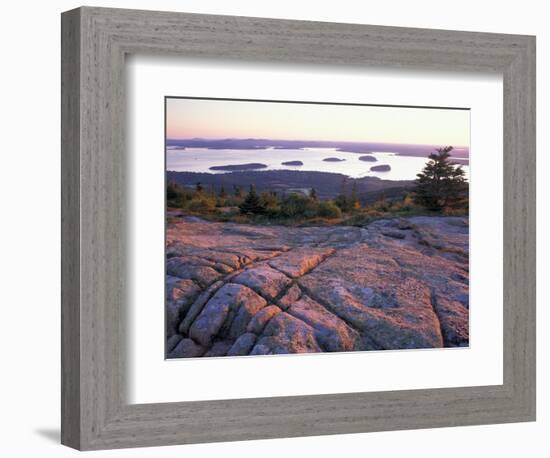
(70, 229)
(96, 413)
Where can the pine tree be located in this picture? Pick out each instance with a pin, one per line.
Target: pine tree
(252, 203)
(237, 191)
(342, 200)
(354, 197)
(441, 184)
(313, 194)
(173, 191)
(223, 194)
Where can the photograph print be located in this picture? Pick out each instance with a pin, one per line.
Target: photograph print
(299, 227)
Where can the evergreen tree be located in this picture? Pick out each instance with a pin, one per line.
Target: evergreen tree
(342, 199)
(252, 203)
(223, 194)
(313, 194)
(237, 190)
(199, 187)
(354, 198)
(342, 202)
(173, 191)
(441, 184)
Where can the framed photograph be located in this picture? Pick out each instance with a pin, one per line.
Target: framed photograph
(338, 218)
(327, 243)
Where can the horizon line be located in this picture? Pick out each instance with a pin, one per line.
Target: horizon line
(312, 141)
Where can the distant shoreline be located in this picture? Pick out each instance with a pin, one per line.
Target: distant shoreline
(363, 148)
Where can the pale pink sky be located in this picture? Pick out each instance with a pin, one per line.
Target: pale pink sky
(190, 118)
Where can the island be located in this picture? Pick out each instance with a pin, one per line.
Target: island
(238, 167)
(380, 168)
(367, 158)
(292, 163)
(333, 159)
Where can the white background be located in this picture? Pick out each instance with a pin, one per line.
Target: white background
(29, 242)
(153, 379)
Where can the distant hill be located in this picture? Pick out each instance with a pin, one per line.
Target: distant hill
(327, 185)
(352, 147)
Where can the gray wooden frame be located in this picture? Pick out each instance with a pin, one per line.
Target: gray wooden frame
(95, 413)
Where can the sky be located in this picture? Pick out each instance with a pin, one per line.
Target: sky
(216, 119)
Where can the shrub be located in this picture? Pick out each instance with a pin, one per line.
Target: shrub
(269, 200)
(201, 204)
(297, 205)
(273, 212)
(328, 209)
(381, 205)
(408, 202)
(232, 201)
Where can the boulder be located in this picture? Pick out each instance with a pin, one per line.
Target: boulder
(231, 302)
(197, 307)
(298, 262)
(404, 224)
(290, 297)
(265, 280)
(180, 294)
(257, 323)
(286, 334)
(246, 306)
(218, 348)
(172, 341)
(454, 319)
(215, 257)
(378, 297)
(242, 345)
(332, 333)
(186, 348)
(203, 275)
(394, 234)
